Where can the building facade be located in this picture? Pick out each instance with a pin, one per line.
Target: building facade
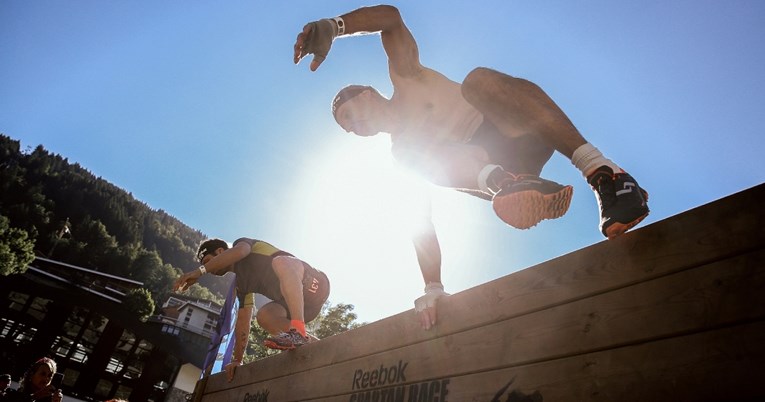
(75, 316)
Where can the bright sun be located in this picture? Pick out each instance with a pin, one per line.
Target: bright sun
(358, 222)
(354, 217)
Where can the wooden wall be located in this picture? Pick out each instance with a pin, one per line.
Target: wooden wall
(673, 311)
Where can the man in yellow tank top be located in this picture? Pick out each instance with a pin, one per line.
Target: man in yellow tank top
(297, 290)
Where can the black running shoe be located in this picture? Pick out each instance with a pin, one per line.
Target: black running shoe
(527, 200)
(286, 340)
(623, 204)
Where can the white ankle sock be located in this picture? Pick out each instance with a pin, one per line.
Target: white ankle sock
(483, 175)
(587, 158)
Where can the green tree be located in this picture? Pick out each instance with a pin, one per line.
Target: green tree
(16, 249)
(333, 320)
(139, 301)
(160, 282)
(111, 231)
(145, 264)
(255, 349)
(201, 292)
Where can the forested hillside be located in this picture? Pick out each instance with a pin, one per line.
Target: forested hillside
(59, 210)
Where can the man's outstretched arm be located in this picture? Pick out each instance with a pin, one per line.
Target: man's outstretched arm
(241, 338)
(398, 42)
(428, 252)
(217, 263)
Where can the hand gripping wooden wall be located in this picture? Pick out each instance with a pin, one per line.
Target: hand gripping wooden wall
(672, 311)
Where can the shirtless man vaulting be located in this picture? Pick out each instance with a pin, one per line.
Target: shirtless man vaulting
(489, 136)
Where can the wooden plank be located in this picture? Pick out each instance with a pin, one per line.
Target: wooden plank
(707, 366)
(727, 227)
(723, 293)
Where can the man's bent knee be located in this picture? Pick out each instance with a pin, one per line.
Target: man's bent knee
(483, 87)
(483, 73)
(482, 80)
(477, 78)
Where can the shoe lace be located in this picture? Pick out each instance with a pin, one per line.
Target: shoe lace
(296, 336)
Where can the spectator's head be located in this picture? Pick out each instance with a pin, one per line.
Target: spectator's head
(38, 375)
(5, 382)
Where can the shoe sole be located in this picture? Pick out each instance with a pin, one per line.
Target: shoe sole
(525, 209)
(617, 229)
(276, 346)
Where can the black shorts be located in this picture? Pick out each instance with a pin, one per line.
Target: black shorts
(315, 293)
(526, 154)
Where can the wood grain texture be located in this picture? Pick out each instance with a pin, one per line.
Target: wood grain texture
(584, 323)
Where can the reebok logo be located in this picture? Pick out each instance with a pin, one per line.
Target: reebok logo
(381, 376)
(389, 384)
(260, 396)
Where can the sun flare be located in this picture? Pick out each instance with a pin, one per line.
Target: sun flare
(357, 212)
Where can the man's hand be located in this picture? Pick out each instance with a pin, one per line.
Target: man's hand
(425, 305)
(230, 369)
(186, 280)
(315, 39)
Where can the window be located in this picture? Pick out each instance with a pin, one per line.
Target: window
(171, 329)
(24, 334)
(123, 392)
(61, 346)
(103, 388)
(18, 300)
(38, 308)
(6, 326)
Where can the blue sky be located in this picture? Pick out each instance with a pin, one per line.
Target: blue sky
(196, 108)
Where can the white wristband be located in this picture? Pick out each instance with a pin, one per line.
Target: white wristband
(432, 287)
(202, 269)
(340, 25)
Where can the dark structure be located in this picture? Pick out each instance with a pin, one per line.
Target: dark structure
(75, 316)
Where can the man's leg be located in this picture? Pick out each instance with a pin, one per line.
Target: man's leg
(519, 107)
(521, 198)
(290, 271)
(273, 318)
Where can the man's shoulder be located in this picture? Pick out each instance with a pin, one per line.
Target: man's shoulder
(430, 85)
(247, 240)
(421, 75)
